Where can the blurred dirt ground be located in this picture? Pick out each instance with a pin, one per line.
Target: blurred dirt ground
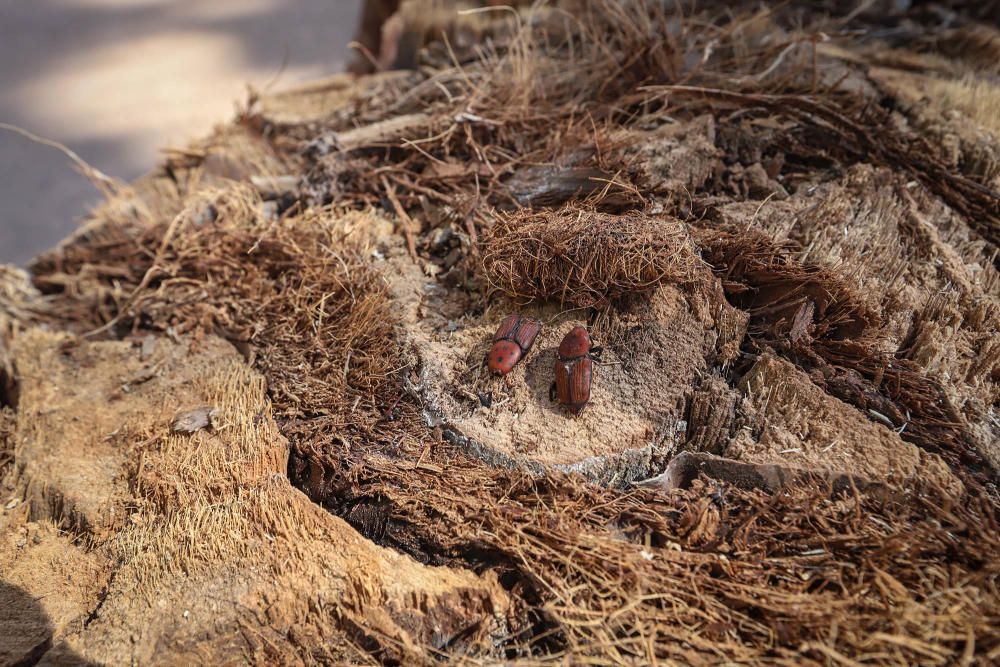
(116, 80)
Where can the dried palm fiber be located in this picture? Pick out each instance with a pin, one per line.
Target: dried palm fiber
(643, 31)
(813, 316)
(698, 576)
(547, 86)
(857, 134)
(599, 575)
(764, 277)
(210, 549)
(296, 296)
(585, 258)
(590, 640)
(518, 105)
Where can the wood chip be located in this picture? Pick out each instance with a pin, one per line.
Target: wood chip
(404, 218)
(148, 347)
(195, 420)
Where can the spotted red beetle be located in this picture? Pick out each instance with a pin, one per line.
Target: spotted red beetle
(511, 342)
(574, 370)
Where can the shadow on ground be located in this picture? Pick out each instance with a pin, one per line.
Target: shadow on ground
(117, 79)
(26, 631)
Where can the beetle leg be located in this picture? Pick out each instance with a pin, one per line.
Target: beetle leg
(552, 391)
(595, 352)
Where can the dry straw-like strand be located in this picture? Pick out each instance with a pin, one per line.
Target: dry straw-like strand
(586, 258)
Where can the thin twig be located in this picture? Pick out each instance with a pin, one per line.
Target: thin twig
(405, 221)
(90, 171)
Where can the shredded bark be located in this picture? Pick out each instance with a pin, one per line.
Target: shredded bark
(584, 258)
(694, 576)
(590, 156)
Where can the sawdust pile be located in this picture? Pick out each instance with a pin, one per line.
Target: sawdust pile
(789, 256)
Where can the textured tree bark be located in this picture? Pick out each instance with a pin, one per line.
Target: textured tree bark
(246, 413)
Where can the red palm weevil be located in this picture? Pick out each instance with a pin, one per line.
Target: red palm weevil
(574, 370)
(511, 342)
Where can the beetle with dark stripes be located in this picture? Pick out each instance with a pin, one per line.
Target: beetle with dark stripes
(511, 343)
(574, 370)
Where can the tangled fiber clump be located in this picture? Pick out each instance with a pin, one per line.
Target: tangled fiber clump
(296, 296)
(537, 110)
(586, 258)
(688, 578)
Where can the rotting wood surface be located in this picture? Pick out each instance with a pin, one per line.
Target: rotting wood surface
(780, 223)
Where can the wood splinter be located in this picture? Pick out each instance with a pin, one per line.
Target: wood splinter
(404, 218)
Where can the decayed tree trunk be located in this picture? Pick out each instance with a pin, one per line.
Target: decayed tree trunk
(245, 414)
